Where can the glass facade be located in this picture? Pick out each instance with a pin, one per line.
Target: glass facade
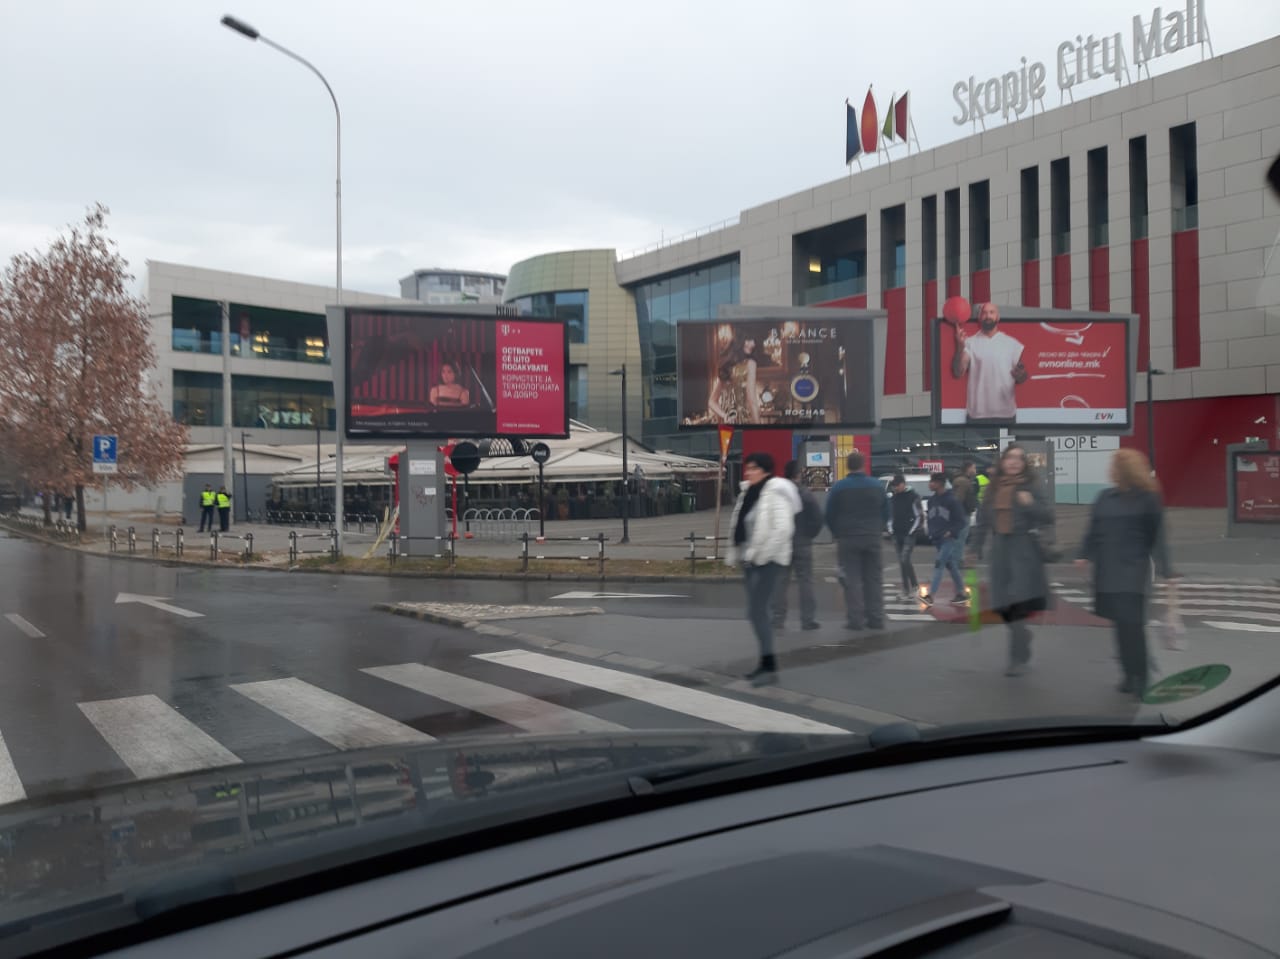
(695, 294)
(578, 392)
(271, 402)
(197, 398)
(257, 332)
(567, 305)
(830, 263)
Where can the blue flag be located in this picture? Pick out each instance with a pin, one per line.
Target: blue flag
(852, 139)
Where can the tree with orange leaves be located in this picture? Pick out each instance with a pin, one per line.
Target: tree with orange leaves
(76, 359)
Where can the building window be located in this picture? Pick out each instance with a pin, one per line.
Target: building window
(1138, 209)
(951, 232)
(259, 332)
(1030, 214)
(695, 294)
(578, 392)
(893, 247)
(197, 325)
(830, 263)
(979, 226)
(1060, 205)
(1099, 216)
(1184, 180)
(197, 398)
(569, 306)
(929, 237)
(269, 402)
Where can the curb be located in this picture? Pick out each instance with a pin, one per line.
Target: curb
(480, 625)
(387, 573)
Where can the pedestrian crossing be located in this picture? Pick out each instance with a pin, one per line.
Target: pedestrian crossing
(152, 737)
(1231, 607)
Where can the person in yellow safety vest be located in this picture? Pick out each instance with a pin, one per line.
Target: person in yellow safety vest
(207, 498)
(224, 509)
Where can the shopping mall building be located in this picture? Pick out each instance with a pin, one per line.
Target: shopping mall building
(1148, 198)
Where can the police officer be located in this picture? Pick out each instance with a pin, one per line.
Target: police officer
(207, 497)
(224, 509)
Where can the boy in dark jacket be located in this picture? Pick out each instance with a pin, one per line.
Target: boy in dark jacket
(906, 518)
(947, 525)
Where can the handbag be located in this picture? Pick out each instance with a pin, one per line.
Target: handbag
(1173, 633)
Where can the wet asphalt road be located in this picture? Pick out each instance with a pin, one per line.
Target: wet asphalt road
(67, 644)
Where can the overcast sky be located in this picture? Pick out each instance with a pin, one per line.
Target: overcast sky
(478, 133)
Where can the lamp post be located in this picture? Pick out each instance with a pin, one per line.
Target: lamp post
(242, 28)
(319, 488)
(626, 479)
(244, 471)
(1151, 417)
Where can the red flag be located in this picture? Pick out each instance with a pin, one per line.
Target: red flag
(900, 116)
(726, 437)
(870, 123)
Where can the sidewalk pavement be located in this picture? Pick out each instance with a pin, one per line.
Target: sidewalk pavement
(1197, 539)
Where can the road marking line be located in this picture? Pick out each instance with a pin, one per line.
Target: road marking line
(23, 625)
(10, 785)
(1242, 627)
(1219, 601)
(584, 594)
(1238, 613)
(680, 699)
(338, 721)
(153, 739)
(913, 617)
(514, 709)
(1229, 587)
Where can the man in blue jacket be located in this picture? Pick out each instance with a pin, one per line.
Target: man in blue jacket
(857, 514)
(947, 525)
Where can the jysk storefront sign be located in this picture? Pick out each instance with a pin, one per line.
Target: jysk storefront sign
(1080, 60)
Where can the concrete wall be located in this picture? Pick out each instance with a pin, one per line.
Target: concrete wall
(612, 335)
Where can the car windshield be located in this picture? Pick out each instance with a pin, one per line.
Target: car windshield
(357, 469)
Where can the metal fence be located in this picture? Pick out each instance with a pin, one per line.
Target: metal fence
(503, 525)
(159, 536)
(217, 538)
(318, 520)
(330, 538)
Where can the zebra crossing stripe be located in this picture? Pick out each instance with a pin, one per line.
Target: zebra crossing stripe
(153, 739)
(1219, 601)
(656, 692)
(514, 709)
(338, 721)
(1236, 613)
(10, 785)
(1242, 627)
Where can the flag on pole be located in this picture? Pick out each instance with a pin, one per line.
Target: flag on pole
(852, 143)
(900, 115)
(887, 130)
(870, 123)
(726, 437)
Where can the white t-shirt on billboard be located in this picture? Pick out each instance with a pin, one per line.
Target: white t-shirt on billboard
(991, 363)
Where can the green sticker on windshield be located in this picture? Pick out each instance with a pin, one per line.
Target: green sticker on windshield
(1187, 684)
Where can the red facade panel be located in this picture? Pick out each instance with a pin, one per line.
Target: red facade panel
(1100, 279)
(895, 354)
(1140, 285)
(1031, 283)
(1186, 299)
(1062, 281)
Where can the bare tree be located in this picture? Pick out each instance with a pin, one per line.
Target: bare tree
(76, 359)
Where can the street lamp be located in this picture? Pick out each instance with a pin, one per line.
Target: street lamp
(626, 493)
(242, 28)
(1151, 416)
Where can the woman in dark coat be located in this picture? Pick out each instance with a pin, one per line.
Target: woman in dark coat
(1010, 518)
(1125, 535)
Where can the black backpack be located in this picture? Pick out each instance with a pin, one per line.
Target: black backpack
(809, 521)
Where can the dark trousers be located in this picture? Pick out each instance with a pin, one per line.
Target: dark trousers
(1127, 611)
(206, 517)
(801, 569)
(862, 575)
(760, 582)
(1015, 618)
(904, 545)
(224, 518)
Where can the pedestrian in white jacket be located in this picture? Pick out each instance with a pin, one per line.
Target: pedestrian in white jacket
(763, 526)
